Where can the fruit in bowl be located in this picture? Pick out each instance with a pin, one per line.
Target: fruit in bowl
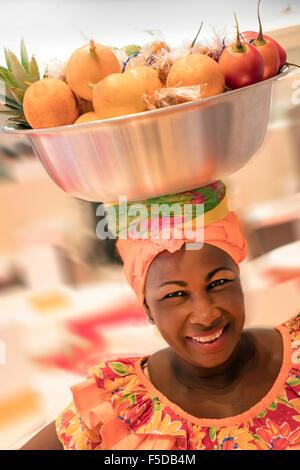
(122, 93)
(56, 100)
(87, 66)
(100, 82)
(90, 116)
(197, 69)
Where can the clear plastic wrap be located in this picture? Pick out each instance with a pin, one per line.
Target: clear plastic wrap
(171, 96)
(55, 68)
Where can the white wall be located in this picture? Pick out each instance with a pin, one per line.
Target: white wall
(53, 28)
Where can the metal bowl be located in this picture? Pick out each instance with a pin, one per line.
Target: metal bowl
(156, 152)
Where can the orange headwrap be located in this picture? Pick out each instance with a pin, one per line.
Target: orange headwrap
(137, 255)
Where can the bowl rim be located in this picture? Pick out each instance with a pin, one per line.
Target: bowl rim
(139, 116)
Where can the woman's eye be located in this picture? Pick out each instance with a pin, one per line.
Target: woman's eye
(218, 282)
(179, 293)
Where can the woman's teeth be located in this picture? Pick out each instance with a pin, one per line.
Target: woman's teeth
(206, 339)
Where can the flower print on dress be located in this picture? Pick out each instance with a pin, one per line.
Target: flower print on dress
(275, 437)
(235, 438)
(131, 409)
(163, 424)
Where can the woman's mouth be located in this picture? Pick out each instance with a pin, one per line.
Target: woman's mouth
(212, 341)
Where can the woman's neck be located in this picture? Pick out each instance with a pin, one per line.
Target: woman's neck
(224, 377)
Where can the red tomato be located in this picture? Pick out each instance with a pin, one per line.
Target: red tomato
(241, 68)
(270, 56)
(248, 35)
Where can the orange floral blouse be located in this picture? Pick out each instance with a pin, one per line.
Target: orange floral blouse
(118, 408)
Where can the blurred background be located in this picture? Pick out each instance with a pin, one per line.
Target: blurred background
(64, 302)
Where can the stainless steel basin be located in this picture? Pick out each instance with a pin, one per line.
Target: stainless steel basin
(156, 152)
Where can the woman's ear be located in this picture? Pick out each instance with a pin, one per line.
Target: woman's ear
(148, 312)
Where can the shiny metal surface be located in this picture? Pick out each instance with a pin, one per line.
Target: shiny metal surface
(156, 152)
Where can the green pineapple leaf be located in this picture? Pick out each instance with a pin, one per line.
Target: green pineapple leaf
(7, 59)
(18, 94)
(19, 119)
(24, 56)
(9, 95)
(8, 111)
(14, 81)
(17, 70)
(18, 125)
(6, 76)
(5, 101)
(33, 71)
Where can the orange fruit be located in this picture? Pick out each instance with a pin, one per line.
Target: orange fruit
(148, 77)
(197, 69)
(119, 94)
(50, 103)
(88, 65)
(87, 117)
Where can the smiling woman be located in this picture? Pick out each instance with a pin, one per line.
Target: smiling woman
(200, 313)
(216, 385)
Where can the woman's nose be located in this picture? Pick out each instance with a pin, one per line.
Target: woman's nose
(204, 312)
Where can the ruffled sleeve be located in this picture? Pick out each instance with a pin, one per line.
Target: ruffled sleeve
(91, 423)
(74, 434)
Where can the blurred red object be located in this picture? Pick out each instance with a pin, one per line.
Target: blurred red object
(91, 330)
(89, 326)
(278, 275)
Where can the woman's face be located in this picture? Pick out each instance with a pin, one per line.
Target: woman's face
(196, 301)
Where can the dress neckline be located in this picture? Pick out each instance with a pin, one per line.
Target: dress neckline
(255, 410)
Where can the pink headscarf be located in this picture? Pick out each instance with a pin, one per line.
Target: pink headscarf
(137, 255)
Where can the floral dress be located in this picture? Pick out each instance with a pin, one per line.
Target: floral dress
(118, 408)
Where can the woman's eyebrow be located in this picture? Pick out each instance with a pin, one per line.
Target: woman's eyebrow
(179, 283)
(212, 273)
(184, 284)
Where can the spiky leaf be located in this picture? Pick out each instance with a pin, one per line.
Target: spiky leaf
(17, 70)
(17, 77)
(10, 112)
(11, 97)
(6, 101)
(24, 56)
(7, 59)
(18, 125)
(20, 119)
(33, 71)
(7, 77)
(18, 94)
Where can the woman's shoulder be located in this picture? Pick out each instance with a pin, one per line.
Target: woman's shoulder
(289, 329)
(109, 409)
(293, 327)
(116, 366)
